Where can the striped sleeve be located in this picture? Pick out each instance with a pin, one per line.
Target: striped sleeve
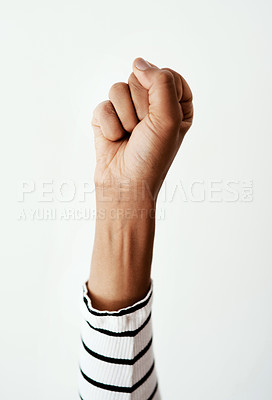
(116, 353)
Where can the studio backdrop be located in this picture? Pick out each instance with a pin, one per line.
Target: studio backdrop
(212, 257)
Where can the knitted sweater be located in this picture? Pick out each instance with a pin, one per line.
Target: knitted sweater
(116, 355)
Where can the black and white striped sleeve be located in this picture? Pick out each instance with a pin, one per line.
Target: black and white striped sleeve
(116, 356)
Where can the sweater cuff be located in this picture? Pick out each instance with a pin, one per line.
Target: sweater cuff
(126, 319)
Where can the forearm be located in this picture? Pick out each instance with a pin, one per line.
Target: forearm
(122, 253)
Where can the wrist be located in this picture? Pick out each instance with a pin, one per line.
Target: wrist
(122, 253)
(126, 192)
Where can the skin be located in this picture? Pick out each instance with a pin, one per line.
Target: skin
(137, 132)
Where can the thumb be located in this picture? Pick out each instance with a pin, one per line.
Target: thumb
(164, 108)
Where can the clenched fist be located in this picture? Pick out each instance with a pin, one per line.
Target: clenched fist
(139, 130)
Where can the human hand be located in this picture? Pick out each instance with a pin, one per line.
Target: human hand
(139, 130)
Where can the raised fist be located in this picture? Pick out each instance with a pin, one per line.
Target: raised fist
(139, 130)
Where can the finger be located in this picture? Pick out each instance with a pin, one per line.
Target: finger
(120, 97)
(177, 79)
(184, 95)
(106, 119)
(164, 108)
(139, 97)
(187, 101)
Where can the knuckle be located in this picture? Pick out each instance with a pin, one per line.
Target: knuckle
(101, 111)
(117, 88)
(94, 120)
(187, 92)
(174, 74)
(178, 81)
(106, 108)
(165, 77)
(95, 116)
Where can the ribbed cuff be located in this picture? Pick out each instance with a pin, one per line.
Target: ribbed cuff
(126, 319)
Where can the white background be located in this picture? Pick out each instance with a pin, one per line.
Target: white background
(212, 259)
